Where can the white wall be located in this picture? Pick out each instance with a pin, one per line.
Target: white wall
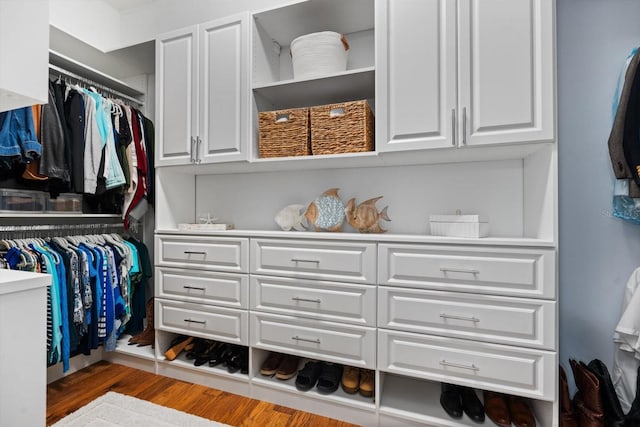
(597, 252)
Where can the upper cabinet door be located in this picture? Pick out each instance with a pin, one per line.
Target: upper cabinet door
(506, 71)
(224, 89)
(416, 74)
(176, 103)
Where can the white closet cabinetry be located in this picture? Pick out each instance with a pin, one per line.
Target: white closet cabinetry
(202, 93)
(464, 73)
(24, 46)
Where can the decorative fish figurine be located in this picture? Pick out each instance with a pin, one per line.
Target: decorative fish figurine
(291, 217)
(326, 212)
(365, 217)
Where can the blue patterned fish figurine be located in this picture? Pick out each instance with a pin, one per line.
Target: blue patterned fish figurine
(326, 213)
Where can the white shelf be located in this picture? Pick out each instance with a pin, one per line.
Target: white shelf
(182, 362)
(339, 396)
(304, 17)
(123, 347)
(346, 86)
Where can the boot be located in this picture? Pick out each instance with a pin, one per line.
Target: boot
(180, 344)
(148, 336)
(587, 399)
(613, 415)
(567, 417)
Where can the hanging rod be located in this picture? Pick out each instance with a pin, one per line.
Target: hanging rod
(61, 227)
(104, 88)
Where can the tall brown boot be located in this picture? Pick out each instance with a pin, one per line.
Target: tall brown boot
(567, 417)
(587, 399)
(148, 336)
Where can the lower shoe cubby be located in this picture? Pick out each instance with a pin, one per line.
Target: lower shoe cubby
(407, 401)
(183, 368)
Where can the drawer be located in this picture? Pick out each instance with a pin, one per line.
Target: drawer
(210, 253)
(333, 301)
(506, 320)
(225, 289)
(333, 342)
(339, 261)
(217, 323)
(512, 370)
(488, 270)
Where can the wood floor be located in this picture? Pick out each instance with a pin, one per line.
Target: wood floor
(76, 390)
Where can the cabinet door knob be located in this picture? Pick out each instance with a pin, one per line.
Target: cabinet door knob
(199, 322)
(471, 367)
(195, 253)
(306, 300)
(453, 127)
(297, 338)
(297, 260)
(193, 287)
(191, 158)
(464, 126)
(198, 142)
(459, 270)
(468, 319)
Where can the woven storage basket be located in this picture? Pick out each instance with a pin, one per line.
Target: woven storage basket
(341, 128)
(284, 133)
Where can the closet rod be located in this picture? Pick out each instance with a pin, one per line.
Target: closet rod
(75, 76)
(87, 228)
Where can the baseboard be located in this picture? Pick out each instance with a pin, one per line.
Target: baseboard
(76, 363)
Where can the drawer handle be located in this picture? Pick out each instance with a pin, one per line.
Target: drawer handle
(195, 252)
(297, 338)
(195, 288)
(459, 270)
(306, 300)
(297, 260)
(468, 319)
(471, 367)
(199, 322)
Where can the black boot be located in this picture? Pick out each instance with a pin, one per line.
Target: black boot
(613, 415)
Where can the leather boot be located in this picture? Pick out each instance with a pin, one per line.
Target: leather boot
(148, 336)
(587, 399)
(613, 415)
(567, 417)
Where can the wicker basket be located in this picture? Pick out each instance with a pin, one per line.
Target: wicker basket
(284, 133)
(342, 128)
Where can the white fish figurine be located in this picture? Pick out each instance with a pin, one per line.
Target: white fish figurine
(326, 212)
(291, 216)
(365, 216)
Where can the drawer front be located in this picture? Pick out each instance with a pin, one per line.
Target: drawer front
(333, 301)
(224, 324)
(210, 253)
(500, 271)
(506, 320)
(339, 261)
(333, 342)
(225, 289)
(512, 370)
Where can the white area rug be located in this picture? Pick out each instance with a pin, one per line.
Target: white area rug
(115, 409)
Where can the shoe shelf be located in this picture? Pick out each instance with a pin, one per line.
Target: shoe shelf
(182, 362)
(418, 401)
(144, 352)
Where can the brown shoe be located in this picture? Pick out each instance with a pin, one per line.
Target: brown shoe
(270, 365)
(567, 417)
(367, 382)
(495, 405)
(521, 414)
(350, 379)
(175, 350)
(288, 368)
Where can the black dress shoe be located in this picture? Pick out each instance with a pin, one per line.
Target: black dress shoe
(451, 400)
(217, 357)
(239, 362)
(204, 357)
(471, 404)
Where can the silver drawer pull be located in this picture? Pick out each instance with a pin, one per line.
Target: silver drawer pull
(459, 270)
(199, 322)
(471, 367)
(306, 300)
(195, 253)
(195, 288)
(314, 261)
(297, 338)
(468, 319)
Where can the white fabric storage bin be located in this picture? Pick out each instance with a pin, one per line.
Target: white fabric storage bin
(459, 225)
(319, 54)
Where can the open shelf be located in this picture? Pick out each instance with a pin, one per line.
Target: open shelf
(123, 347)
(182, 362)
(340, 87)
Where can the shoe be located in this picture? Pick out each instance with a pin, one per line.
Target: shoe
(199, 346)
(308, 376)
(471, 405)
(587, 400)
(148, 336)
(613, 415)
(205, 356)
(450, 400)
(178, 345)
(329, 379)
(350, 379)
(239, 361)
(497, 409)
(288, 367)
(271, 363)
(521, 415)
(567, 417)
(367, 382)
(220, 355)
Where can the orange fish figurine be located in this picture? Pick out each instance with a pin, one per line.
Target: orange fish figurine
(365, 216)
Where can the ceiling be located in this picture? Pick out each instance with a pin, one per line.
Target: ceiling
(127, 4)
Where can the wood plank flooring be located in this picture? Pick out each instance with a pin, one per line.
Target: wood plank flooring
(76, 390)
